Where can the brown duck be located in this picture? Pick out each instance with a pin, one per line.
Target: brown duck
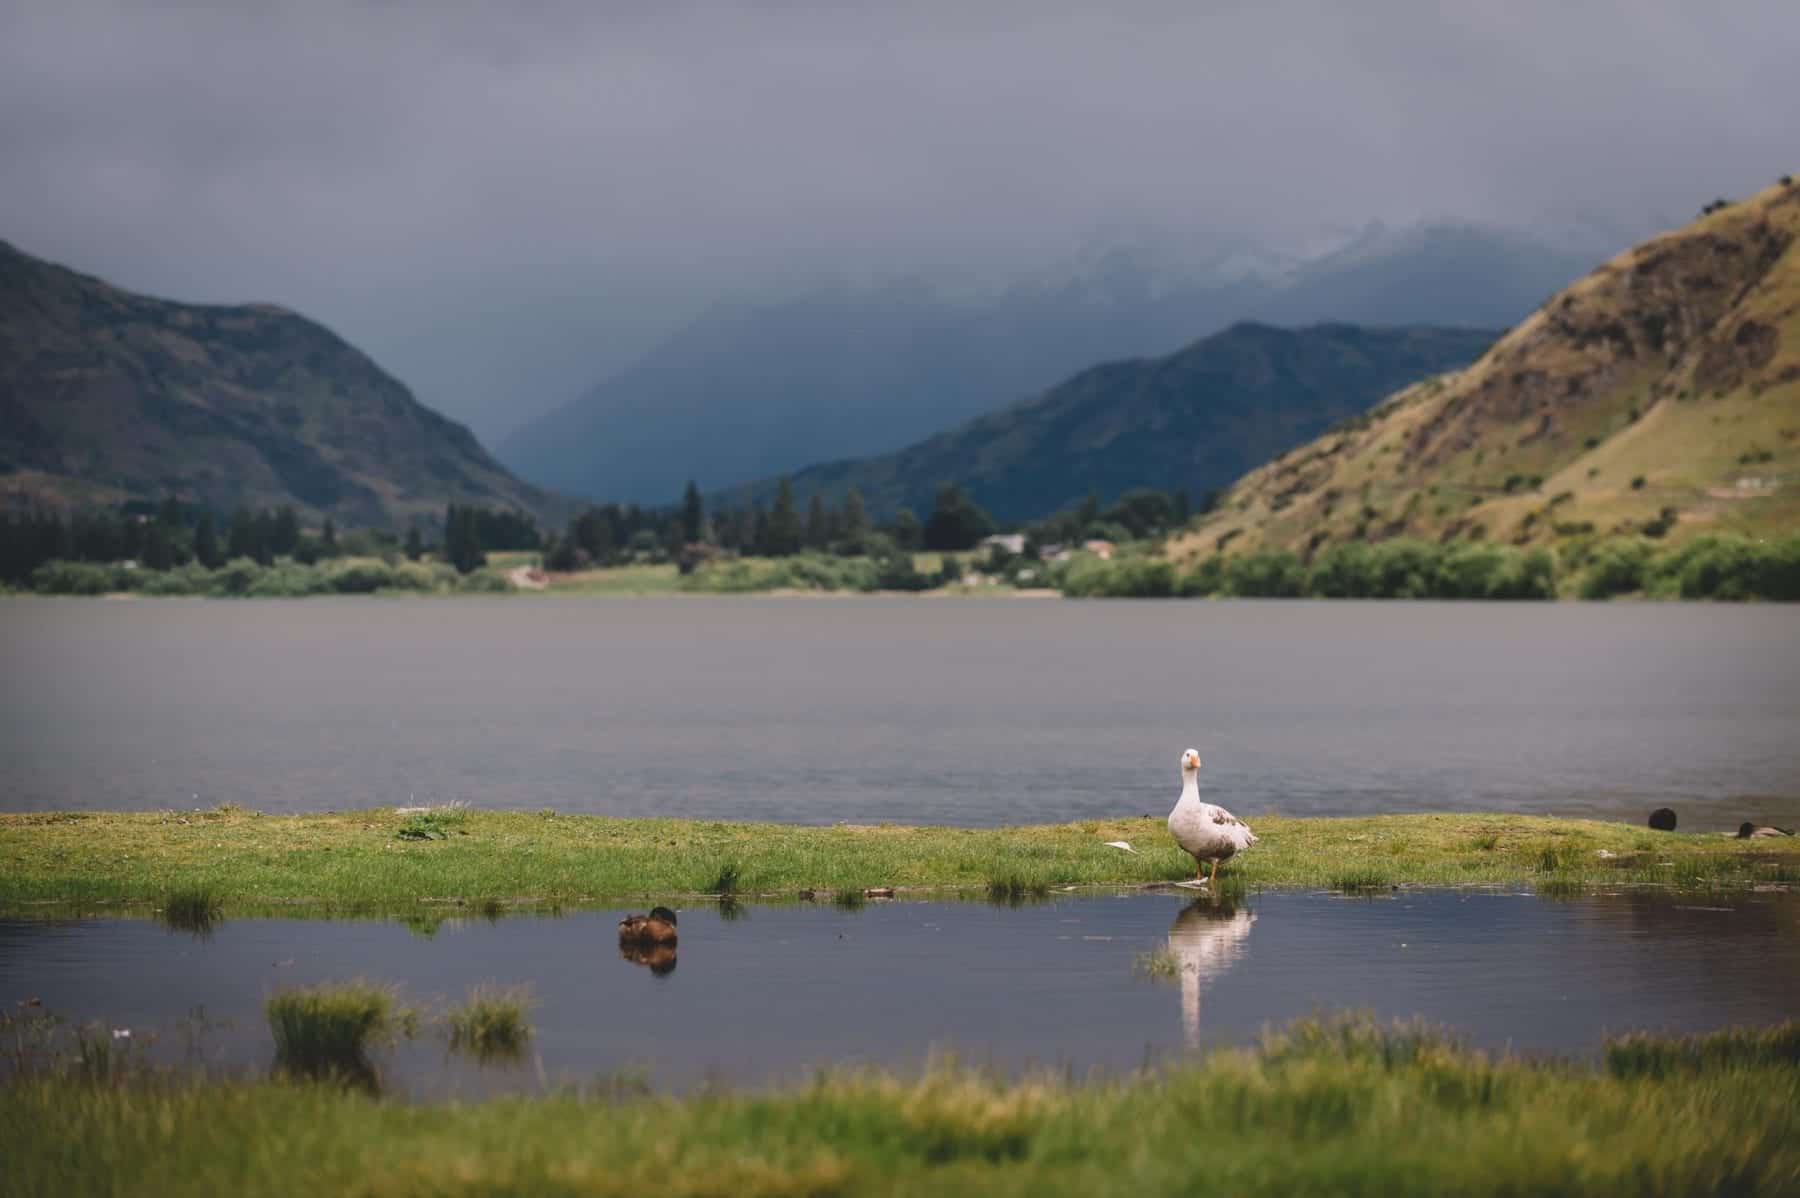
(658, 927)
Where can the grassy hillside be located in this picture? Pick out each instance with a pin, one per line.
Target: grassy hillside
(1658, 397)
(1192, 420)
(106, 395)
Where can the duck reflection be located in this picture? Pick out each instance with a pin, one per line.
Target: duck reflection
(659, 958)
(1206, 939)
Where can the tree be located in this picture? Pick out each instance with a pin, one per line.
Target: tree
(206, 542)
(854, 521)
(693, 515)
(415, 544)
(955, 523)
(906, 530)
(159, 552)
(593, 533)
(818, 527)
(328, 534)
(284, 531)
(244, 540)
(781, 532)
(1089, 514)
(462, 539)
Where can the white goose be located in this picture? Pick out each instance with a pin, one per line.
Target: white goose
(1206, 832)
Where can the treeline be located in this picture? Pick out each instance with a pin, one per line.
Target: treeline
(173, 535)
(1138, 515)
(1715, 567)
(612, 534)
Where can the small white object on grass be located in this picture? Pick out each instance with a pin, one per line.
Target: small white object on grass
(1119, 844)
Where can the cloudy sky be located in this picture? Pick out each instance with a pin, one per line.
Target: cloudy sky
(502, 201)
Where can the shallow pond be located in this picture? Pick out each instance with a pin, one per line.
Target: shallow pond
(973, 712)
(778, 989)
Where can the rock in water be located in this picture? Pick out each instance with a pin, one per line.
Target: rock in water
(1663, 819)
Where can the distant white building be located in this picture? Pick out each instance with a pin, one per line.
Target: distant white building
(1011, 542)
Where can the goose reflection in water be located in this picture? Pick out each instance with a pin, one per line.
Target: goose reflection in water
(1206, 939)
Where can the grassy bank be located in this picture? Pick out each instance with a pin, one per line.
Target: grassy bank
(230, 859)
(1339, 1107)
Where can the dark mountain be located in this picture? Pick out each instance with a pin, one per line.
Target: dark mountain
(749, 392)
(106, 395)
(1196, 420)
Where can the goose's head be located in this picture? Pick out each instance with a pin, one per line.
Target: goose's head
(1190, 762)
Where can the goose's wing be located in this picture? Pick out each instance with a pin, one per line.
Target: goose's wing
(1233, 826)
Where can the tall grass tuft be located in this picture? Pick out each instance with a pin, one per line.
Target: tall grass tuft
(1640, 1055)
(1364, 879)
(726, 881)
(1015, 889)
(432, 823)
(491, 1023)
(326, 1031)
(1559, 886)
(191, 909)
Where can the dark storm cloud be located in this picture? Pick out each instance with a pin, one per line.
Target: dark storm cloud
(498, 200)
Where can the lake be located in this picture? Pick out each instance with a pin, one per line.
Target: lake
(973, 711)
(780, 989)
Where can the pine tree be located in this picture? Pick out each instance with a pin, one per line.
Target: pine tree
(328, 534)
(855, 520)
(241, 541)
(284, 531)
(415, 544)
(906, 529)
(462, 539)
(955, 523)
(781, 534)
(693, 515)
(159, 552)
(1089, 514)
(818, 528)
(206, 542)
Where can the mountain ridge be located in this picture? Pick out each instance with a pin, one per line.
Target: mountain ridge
(107, 395)
(1193, 420)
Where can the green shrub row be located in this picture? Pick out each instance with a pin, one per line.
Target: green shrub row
(1712, 567)
(893, 571)
(1715, 567)
(244, 578)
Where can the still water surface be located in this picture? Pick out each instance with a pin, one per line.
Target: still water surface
(967, 712)
(762, 997)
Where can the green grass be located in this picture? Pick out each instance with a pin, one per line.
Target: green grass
(327, 1031)
(346, 862)
(491, 1023)
(1016, 888)
(1341, 1106)
(193, 908)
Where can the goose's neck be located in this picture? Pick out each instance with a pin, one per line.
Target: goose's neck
(1190, 787)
